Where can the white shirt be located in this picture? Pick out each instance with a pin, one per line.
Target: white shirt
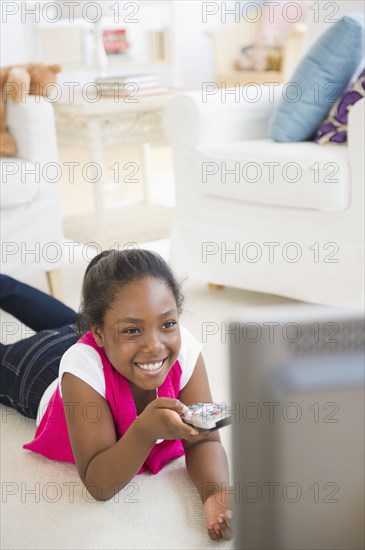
(84, 362)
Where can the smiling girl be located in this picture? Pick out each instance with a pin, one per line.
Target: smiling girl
(113, 403)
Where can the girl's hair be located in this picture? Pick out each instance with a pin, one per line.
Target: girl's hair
(110, 271)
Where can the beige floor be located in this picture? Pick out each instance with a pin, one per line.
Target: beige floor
(77, 195)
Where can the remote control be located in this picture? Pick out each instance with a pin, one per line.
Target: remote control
(207, 417)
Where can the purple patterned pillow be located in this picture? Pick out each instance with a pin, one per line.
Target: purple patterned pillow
(334, 128)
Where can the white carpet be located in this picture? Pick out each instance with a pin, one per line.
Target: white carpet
(44, 504)
(136, 223)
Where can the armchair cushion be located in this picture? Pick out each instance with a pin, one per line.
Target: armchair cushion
(319, 80)
(15, 188)
(30, 215)
(298, 175)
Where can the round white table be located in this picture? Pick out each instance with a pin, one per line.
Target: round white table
(108, 121)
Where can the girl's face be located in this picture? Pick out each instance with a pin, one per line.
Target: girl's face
(140, 333)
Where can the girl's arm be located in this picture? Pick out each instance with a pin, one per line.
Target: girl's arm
(104, 464)
(206, 461)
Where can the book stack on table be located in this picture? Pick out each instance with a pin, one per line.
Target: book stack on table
(130, 85)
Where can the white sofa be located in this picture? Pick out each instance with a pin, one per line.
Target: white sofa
(31, 226)
(302, 239)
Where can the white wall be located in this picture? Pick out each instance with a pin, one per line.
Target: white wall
(193, 49)
(333, 11)
(17, 37)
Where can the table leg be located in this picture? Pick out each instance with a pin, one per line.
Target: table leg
(99, 189)
(146, 171)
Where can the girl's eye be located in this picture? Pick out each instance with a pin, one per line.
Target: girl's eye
(169, 324)
(130, 331)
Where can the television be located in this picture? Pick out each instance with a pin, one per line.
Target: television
(297, 388)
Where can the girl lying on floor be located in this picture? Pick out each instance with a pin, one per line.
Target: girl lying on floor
(109, 386)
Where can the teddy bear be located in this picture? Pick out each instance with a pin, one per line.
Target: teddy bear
(258, 58)
(15, 83)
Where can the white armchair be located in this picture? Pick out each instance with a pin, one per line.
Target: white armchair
(31, 226)
(281, 218)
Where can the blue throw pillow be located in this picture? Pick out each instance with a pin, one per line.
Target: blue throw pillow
(319, 80)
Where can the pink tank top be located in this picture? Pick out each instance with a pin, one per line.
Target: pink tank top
(52, 439)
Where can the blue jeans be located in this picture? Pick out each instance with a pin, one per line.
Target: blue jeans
(28, 367)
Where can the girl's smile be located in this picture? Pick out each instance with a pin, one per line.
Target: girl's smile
(152, 368)
(141, 334)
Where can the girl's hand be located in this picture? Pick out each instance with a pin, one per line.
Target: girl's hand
(218, 513)
(161, 419)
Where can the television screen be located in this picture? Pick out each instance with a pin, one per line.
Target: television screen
(297, 379)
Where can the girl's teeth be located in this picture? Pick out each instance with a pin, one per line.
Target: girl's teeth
(150, 366)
